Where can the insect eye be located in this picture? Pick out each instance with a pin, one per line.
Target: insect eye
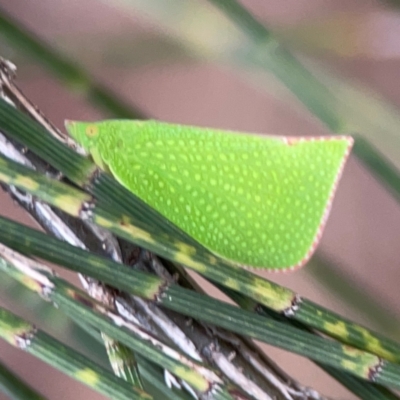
(91, 131)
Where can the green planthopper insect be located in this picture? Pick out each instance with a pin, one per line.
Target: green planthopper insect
(256, 201)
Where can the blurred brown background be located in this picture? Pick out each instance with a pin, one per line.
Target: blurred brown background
(138, 58)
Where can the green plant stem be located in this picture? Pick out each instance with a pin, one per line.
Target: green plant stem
(24, 335)
(357, 362)
(364, 390)
(342, 285)
(360, 388)
(80, 306)
(67, 297)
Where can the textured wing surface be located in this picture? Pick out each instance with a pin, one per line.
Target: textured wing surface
(258, 201)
